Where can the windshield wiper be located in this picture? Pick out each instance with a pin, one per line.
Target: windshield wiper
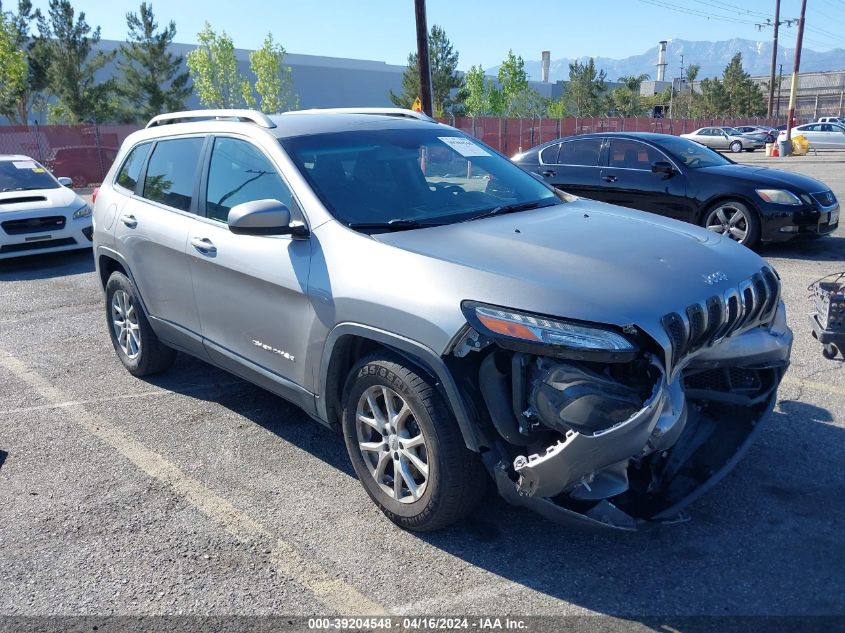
(397, 224)
(514, 208)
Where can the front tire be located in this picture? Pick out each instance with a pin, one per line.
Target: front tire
(735, 220)
(736, 147)
(137, 346)
(406, 447)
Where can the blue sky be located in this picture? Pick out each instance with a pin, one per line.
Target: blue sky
(481, 30)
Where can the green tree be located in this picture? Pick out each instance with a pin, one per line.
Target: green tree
(273, 81)
(744, 96)
(18, 97)
(626, 99)
(585, 90)
(714, 98)
(150, 80)
(68, 41)
(443, 59)
(514, 84)
(14, 69)
(214, 71)
(476, 92)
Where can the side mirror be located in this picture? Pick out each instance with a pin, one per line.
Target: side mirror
(263, 217)
(662, 167)
(64, 181)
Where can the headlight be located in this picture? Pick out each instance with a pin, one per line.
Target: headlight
(503, 323)
(82, 212)
(778, 196)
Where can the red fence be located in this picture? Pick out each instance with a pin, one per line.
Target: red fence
(510, 136)
(81, 152)
(85, 152)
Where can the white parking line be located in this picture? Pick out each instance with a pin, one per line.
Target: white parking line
(332, 591)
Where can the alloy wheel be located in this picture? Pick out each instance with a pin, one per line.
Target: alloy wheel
(124, 320)
(392, 444)
(730, 221)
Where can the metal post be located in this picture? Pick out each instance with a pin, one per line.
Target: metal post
(796, 66)
(841, 100)
(774, 58)
(422, 58)
(780, 83)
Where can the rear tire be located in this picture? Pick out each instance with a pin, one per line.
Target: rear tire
(396, 423)
(137, 346)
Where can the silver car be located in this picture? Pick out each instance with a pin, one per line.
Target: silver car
(726, 138)
(820, 135)
(455, 318)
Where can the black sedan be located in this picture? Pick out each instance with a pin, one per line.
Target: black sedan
(681, 179)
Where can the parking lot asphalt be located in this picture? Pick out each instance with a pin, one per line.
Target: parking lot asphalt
(194, 492)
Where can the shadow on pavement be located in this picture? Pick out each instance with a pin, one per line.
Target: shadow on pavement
(47, 265)
(766, 540)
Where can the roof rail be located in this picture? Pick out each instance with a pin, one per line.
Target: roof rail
(248, 116)
(397, 112)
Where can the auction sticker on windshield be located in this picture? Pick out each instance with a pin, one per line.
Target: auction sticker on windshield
(25, 164)
(464, 146)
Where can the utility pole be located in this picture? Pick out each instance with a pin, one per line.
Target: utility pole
(422, 58)
(793, 90)
(774, 57)
(775, 28)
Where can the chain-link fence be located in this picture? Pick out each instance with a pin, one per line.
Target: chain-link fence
(83, 153)
(510, 136)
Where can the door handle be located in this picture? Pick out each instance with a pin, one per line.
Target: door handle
(129, 220)
(548, 173)
(609, 178)
(204, 245)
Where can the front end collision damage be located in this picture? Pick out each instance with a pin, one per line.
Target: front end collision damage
(622, 444)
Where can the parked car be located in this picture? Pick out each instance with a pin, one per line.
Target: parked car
(761, 132)
(448, 312)
(39, 214)
(725, 138)
(678, 178)
(820, 135)
(832, 119)
(84, 164)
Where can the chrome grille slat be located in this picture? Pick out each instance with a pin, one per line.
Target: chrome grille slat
(749, 304)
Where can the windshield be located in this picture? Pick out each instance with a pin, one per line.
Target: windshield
(412, 177)
(24, 175)
(691, 153)
(732, 131)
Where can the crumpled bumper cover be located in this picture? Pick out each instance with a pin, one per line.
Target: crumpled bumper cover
(578, 460)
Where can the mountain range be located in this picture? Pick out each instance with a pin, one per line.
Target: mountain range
(712, 57)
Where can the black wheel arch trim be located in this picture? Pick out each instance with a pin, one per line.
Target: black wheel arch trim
(416, 353)
(103, 251)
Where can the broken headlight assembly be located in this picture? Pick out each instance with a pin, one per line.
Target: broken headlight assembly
(550, 336)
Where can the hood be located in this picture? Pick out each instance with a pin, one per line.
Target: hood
(583, 260)
(767, 177)
(57, 199)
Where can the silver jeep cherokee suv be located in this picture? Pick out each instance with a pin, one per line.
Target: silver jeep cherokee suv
(451, 314)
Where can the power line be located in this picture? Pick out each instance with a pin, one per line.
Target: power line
(739, 10)
(700, 14)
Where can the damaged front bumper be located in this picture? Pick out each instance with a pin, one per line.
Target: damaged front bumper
(694, 426)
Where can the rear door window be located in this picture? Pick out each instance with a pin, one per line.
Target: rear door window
(130, 171)
(629, 154)
(584, 152)
(172, 172)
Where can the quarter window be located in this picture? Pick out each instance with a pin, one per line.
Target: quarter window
(128, 175)
(584, 152)
(549, 155)
(172, 172)
(240, 173)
